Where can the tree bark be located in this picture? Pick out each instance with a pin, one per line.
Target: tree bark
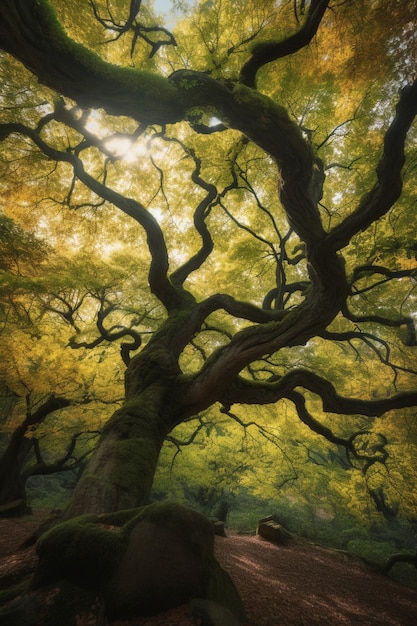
(12, 487)
(30, 31)
(120, 474)
(121, 471)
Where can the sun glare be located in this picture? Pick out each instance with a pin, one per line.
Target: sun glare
(118, 145)
(126, 149)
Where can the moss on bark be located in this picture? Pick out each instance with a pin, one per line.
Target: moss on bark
(137, 561)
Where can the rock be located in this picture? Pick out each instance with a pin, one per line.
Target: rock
(138, 562)
(272, 531)
(209, 613)
(164, 563)
(169, 558)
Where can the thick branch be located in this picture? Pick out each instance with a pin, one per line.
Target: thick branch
(193, 320)
(388, 187)
(30, 32)
(53, 403)
(367, 270)
(289, 328)
(200, 214)
(271, 128)
(250, 392)
(271, 51)
(379, 320)
(312, 423)
(237, 308)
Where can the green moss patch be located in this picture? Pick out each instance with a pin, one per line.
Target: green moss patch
(138, 561)
(80, 550)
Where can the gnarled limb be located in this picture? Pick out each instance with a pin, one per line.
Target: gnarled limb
(114, 333)
(259, 392)
(200, 214)
(306, 417)
(397, 322)
(363, 271)
(388, 187)
(29, 30)
(271, 51)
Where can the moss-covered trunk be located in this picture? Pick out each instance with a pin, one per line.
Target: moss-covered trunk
(120, 473)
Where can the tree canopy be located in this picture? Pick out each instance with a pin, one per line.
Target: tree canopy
(229, 203)
(207, 254)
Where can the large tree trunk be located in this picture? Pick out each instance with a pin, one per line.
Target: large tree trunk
(120, 474)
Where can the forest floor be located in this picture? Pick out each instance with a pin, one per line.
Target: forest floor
(294, 585)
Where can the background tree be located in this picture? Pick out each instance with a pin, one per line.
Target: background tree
(47, 394)
(250, 132)
(55, 399)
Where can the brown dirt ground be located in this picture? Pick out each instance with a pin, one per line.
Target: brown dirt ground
(294, 585)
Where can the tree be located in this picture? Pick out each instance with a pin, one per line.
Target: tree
(158, 394)
(54, 400)
(260, 157)
(14, 457)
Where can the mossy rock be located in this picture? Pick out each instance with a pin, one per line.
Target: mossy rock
(81, 551)
(140, 561)
(221, 590)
